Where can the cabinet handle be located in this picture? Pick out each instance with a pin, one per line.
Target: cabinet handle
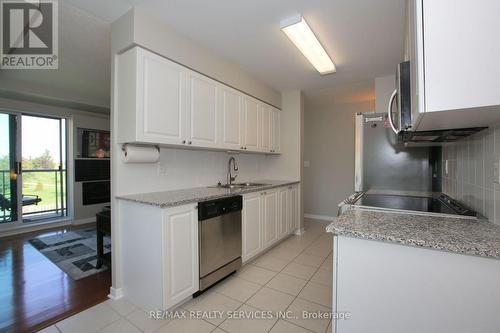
(189, 142)
(183, 142)
(245, 148)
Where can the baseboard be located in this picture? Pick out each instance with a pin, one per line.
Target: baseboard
(299, 231)
(31, 228)
(115, 293)
(84, 221)
(319, 217)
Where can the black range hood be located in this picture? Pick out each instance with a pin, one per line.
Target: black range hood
(438, 136)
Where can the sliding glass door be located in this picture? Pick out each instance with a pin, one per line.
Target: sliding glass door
(33, 166)
(9, 168)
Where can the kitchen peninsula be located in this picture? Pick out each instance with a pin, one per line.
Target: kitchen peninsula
(399, 272)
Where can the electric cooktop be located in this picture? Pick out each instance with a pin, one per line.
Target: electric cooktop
(440, 204)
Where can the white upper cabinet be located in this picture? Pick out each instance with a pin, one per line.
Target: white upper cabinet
(276, 131)
(202, 111)
(231, 116)
(151, 98)
(158, 101)
(266, 121)
(251, 120)
(454, 50)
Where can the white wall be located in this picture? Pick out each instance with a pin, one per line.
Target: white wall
(192, 168)
(77, 119)
(329, 149)
(142, 28)
(384, 86)
(470, 177)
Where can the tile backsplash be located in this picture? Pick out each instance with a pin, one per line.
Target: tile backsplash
(469, 172)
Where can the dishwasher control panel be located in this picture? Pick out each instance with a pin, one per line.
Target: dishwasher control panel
(213, 208)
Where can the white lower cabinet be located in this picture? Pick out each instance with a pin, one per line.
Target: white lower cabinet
(251, 225)
(284, 214)
(180, 254)
(159, 254)
(268, 217)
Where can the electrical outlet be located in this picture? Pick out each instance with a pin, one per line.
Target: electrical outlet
(162, 169)
(496, 168)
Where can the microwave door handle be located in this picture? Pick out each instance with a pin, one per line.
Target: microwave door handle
(389, 110)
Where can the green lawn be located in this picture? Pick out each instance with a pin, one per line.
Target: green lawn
(43, 184)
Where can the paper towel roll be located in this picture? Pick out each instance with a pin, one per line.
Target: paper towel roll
(140, 154)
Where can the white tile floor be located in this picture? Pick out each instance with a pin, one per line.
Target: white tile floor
(294, 276)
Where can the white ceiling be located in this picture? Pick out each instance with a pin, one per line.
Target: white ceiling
(84, 63)
(364, 37)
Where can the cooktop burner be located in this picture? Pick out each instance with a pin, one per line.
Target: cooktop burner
(441, 204)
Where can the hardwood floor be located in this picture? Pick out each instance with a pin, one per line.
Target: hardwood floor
(35, 293)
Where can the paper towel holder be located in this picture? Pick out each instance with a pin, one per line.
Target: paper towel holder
(124, 147)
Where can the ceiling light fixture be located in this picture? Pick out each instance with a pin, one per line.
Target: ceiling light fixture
(303, 37)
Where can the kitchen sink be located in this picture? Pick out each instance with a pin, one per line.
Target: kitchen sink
(240, 185)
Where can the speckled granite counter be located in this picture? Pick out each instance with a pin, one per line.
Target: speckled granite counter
(464, 236)
(185, 196)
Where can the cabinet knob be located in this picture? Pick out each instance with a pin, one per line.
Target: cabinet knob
(245, 148)
(189, 142)
(183, 142)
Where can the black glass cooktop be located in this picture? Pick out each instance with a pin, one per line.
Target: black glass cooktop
(441, 204)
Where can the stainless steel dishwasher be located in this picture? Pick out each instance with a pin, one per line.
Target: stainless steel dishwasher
(219, 229)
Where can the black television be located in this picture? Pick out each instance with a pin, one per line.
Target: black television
(93, 143)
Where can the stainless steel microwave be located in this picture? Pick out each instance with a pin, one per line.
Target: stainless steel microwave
(399, 114)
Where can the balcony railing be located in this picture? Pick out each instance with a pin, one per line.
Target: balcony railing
(46, 186)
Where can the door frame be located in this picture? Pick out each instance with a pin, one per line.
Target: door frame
(19, 224)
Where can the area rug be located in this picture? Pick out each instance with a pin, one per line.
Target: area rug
(74, 252)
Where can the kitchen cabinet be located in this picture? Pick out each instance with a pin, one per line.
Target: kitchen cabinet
(151, 99)
(454, 63)
(251, 127)
(231, 115)
(284, 215)
(160, 102)
(160, 260)
(270, 209)
(252, 216)
(294, 207)
(267, 217)
(276, 131)
(203, 111)
(266, 122)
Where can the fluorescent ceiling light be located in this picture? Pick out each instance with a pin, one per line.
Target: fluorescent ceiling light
(301, 35)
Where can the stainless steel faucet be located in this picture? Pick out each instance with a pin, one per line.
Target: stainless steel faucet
(230, 177)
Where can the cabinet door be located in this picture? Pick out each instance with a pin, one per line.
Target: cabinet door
(231, 116)
(294, 210)
(283, 215)
(276, 131)
(251, 226)
(251, 121)
(461, 53)
(180, 272)
(270, 218)
(203, 109)
(266, 119)
(416, 54)
(161, 90)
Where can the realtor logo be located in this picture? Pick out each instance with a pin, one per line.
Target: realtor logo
(29, 36)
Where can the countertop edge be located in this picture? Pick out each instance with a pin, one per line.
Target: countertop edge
(131, 198)
(430, 245)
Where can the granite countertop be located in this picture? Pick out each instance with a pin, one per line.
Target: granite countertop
(465, 236)
(185, 196)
